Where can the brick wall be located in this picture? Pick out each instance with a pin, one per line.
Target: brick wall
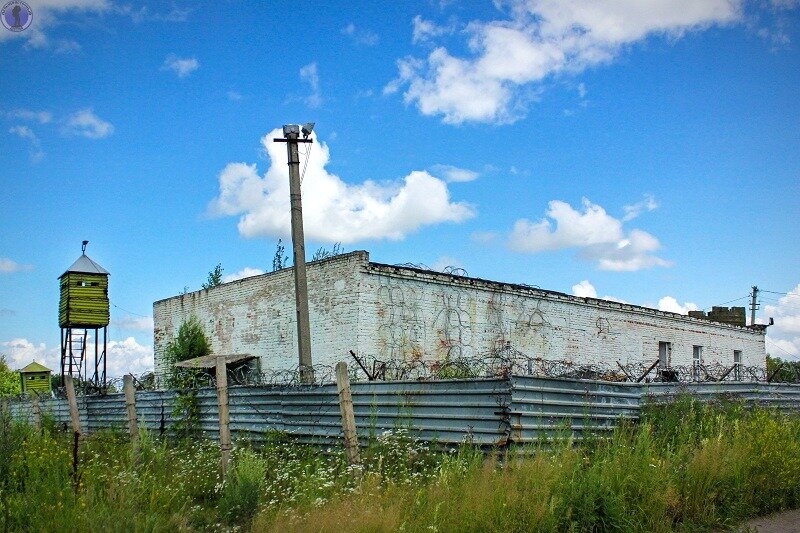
(417, 314)
(396, 312)
(256, 315)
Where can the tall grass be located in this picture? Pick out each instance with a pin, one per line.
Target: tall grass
(686, 466)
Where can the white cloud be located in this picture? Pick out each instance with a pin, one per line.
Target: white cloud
(453, 174)
(85, 123)
(122, 357)
(67, 46)
(484, 237)
(446, 262)
(42, 117)
(25, 132)
(584, 289)
(426, 30)
(234, 96)
(21, 352)
(180, 66)
(599, 237)
(648, 203)
(509, 58)
(360, 36)
(668, 303)
(785, 334)
(137, 323)
(246, 272)
(333, 211)
(48, 13)
(8, 266)
(128, 357)
(310, 75)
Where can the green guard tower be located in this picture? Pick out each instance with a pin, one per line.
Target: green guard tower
(83, 308)
(35, 378)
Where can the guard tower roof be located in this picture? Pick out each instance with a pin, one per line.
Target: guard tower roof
(35, 367)
(85, 265)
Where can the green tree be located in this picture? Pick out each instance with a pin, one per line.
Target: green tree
(280, 260)
(190, 342)
(783, 371)
(9, 380)
(214, 277)
(324, 253)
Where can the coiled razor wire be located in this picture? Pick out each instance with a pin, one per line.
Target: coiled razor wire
(504, 363)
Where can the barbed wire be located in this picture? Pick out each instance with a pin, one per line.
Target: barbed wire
(506, 362)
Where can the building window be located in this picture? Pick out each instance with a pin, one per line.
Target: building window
(665, 361)
(697, 361)
(664, 354)
(737, 365)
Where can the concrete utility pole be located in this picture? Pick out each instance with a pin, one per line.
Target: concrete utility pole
(753, 305)
(291, 133)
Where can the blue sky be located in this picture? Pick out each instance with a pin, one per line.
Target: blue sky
(647, 151)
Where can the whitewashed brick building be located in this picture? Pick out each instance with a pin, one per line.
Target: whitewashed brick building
(401, 313)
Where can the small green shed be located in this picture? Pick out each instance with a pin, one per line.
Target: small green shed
(35, 378)
(84, 295)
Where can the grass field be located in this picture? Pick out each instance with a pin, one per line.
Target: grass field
(683, 467)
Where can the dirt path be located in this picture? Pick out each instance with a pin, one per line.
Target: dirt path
(786, 522)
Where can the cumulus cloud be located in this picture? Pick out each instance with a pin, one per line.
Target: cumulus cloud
(509, 58)
(310, 75)
(180, 66)
(246, 272)
(122, 357)
(86, 124)
(8, 266)
(598, 236)
(785, 334)
(584, 289)
(453, 174)
(668, 303)
(333, 210)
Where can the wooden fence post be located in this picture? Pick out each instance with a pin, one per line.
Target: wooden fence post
(348, 417)
(37, 413)
(74, 415)
(76, 427)
(130, 404)
(224, 414)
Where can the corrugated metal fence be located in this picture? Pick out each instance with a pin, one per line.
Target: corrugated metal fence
(488, 412)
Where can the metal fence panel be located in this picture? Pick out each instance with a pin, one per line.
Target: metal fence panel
(488, 412)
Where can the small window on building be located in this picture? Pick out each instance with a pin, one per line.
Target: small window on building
(80, 283)
(737, 365)
(664, 354)
(697, 361)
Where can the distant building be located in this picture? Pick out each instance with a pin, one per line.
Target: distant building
(404, 313)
